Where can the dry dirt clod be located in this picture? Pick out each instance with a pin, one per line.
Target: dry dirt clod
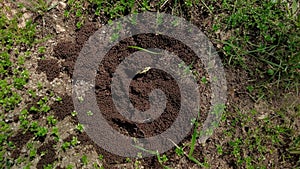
(61, 6)
(24, 19)
(60, 29)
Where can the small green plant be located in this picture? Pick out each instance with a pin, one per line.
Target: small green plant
(204, 80)
(8, 98)
(69, 166)
(219, 149)
(137, 163)
(79, 24)
(89, 113)
(143, 49)
(38, 6)
(73, 113)
(48, 166)
(55, 133)
(295, 147)
(236, 149)
(161, 159)
(128, 160)
(32, 153)
(114, 37)
(40, 85)
(42, 49)
(23, 117)
(193, 143)
(77, 8)
(80, 99)
(188, 69)
(32, 93)
(97, 166)
(188, 3)
(145, 5)
(20, 79)
(79, 127)
(179, 151)
(38, 130)
(114, 9)
(41, 131)
(100, 157)
(66, 145)
(84, 160)
(42, 106)
(250, 88)
(51, 120)
(27, 166)
(58, 99)
(74, 141)
(33, 109)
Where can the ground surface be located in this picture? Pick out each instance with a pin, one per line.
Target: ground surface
(40, 42)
